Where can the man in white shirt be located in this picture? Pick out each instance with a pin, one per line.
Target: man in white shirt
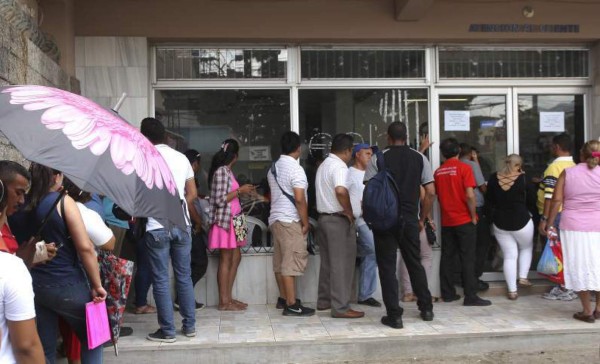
(175, 243)
(367, 282)
(19, 339)
(336, 233)
(288, 222)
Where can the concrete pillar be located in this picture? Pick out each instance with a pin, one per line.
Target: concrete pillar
(57, 20)
(595, 74)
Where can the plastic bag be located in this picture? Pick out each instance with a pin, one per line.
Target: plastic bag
(550, 264)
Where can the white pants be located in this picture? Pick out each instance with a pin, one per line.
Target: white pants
(516, 245)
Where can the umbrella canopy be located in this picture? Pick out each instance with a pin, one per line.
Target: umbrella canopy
(98, 150)
(116, 279)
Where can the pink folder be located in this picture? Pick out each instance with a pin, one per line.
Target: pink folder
(98, 330)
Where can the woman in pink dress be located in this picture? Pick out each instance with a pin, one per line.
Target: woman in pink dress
(578, 190)
(224, 207)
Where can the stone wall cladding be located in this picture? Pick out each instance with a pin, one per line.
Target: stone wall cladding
(22, 62)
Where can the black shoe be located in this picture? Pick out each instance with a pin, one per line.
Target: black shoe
(125, 331)
(482, 286)
(393, 322)
(427, 315)
(281, 303)
(370, 302)
(297, 310)
(199, 306)
(160, 336)
(456, 297)
(476, 301)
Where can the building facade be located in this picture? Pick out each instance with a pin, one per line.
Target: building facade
(503, 76)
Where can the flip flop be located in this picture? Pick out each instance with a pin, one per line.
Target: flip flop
(230, 307)
(585, 318)
(239, 303)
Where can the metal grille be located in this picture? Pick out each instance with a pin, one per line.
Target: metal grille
(551, 63)
(341, 64)
(214, 63)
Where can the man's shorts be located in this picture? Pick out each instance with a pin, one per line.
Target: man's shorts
(289, 248)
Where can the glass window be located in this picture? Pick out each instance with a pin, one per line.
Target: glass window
(484, 129)
(365, 114)
(215, 63)
(202, 119)
(535, 145)
(336, 64)
(514, 63)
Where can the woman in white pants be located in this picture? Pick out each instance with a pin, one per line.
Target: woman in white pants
(507, 197)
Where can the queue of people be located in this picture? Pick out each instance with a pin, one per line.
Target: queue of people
(69, 276)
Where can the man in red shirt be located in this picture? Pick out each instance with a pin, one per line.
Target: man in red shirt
(454, 183)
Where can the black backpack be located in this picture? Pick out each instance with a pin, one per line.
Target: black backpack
(380, 204)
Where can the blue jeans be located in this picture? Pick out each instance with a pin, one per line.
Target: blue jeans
(143, 274)
(67, 302)
(176, 244)
(368, 267)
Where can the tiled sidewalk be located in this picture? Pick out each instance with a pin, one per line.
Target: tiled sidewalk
(265, 324)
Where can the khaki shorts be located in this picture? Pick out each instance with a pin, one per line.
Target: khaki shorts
(289, 248)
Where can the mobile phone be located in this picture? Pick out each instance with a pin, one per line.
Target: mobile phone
(59, 245)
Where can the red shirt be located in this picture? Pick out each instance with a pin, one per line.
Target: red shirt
(451, 180)
(9, 239)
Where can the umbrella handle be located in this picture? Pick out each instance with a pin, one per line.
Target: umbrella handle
(120, 102)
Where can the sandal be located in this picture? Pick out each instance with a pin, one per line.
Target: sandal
(409, 297)
(597, 315)
(585, 318)
(512, 296)
(142, 310)
(524, 282)
(239, 303)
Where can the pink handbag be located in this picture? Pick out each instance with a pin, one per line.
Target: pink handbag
(98, 330)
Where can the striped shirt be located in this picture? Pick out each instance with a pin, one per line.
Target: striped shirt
(332, 173)
(551, 174)
(290, 175)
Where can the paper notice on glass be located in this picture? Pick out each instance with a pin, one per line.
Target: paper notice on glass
(552, 122)
(455, 120)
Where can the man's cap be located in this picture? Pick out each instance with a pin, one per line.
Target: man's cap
(361, 146)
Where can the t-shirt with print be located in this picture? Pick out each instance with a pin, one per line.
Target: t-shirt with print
(16, 300)
(182, 171)
(290, 175)
(451, 181)
(551, 174)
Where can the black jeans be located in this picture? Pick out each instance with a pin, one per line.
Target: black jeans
(199, 256)
(386, 245)
(461, 240)
(484, 240)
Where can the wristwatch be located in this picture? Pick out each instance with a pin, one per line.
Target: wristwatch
(544, 218)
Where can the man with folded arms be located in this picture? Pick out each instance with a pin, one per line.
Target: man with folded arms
(336, 233)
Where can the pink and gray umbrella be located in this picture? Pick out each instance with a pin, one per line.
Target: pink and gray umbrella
(98, 150)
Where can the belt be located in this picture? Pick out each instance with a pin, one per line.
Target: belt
(338, 214)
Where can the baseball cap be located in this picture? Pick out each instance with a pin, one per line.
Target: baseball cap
(362, 146)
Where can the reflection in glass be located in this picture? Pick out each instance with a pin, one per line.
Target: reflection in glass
(216, 63)
(202, 119)
(365, 114)
(486, 126)
(534, 146)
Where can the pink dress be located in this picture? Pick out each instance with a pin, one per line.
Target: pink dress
(219, 238)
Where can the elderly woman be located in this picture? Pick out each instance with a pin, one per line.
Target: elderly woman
(508, 198)
(578, 190)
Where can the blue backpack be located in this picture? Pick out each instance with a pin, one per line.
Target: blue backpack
(380, 206)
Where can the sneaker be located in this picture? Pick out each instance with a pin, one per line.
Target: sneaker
(160, 336)
(482, 286)
(125, 331)
(189, 333)
(567, 295)
(370, 302)
(393, 322)
(297, 310)
(281, 303)
(476, 301)
(553, 294)
(199, 306)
